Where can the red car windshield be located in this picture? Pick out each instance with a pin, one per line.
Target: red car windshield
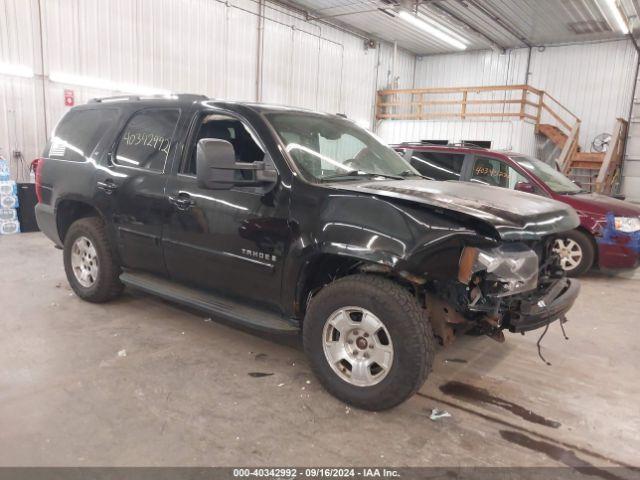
(555, 180)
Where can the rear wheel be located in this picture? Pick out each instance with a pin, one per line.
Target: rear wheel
(89, 262)
(576, 252)
(369, 342)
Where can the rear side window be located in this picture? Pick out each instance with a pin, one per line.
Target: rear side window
(147, 139)
(79, 132)
(438, 165)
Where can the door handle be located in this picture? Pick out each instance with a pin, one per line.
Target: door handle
(182, 201)
(108, 186)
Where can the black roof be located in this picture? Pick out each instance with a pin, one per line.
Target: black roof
(189, 98)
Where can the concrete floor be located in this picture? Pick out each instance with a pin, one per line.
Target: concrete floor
(184, 394)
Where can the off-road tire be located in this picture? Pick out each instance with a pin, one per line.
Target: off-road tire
(408, 326)
(588, 252)
(107, 285)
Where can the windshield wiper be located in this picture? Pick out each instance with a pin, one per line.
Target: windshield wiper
(571, 192)
(409, 173)
(360, 173)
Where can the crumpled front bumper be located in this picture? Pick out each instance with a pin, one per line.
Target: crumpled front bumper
(546, 308)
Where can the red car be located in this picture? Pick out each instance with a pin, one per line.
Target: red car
(609, 231)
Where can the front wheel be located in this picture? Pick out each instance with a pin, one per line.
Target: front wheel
(576, 252)
(368, 341)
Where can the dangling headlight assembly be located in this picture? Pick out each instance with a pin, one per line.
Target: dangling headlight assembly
(508, 269)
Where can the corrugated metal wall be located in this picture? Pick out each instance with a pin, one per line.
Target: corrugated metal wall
(472, 69)
(403, 70)
(212, 47)
(21, 118)
(466, 69)
(594, 81)
(200, 46)
(509, 135)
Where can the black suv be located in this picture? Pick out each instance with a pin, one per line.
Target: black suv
(293, 221)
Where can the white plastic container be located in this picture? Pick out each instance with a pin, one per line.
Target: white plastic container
(9, 227)
(7, 214)
(8, 201)
(4, 169)
(8, 187)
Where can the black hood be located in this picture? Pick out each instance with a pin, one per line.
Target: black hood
(514, 215)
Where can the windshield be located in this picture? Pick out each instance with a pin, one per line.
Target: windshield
(555, 180)
(330, 148)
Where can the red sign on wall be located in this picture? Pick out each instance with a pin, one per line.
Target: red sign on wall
(69, 98)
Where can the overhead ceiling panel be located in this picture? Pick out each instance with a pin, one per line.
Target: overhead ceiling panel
(367, 17)
(540, 22)
(485, 23)
(631, 9)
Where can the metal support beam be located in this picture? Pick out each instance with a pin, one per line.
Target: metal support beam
(311, 18)
(494, 45)
(501, 23)
(260, 52)
(44, 68)
(308, 14)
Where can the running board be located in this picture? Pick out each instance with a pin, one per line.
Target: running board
(213, 304)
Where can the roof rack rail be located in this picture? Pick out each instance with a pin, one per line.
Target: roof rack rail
(468, 144)
(439, 144)
(424, 142)
(114, 98)
(181, 96)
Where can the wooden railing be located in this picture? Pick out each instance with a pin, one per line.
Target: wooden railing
(612, 162)
(523, 102)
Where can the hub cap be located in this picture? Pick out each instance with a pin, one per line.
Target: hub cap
(84, 262)
(570, 253)
(357, 346)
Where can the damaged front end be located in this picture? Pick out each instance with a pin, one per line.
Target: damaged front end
(515, 286)
(479, 259)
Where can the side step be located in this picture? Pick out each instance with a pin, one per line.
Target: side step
(213, 304)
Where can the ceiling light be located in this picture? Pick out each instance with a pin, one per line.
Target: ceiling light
(103, 84)
(446, 30)
(435, 31)
(617, 14)
(16, 70)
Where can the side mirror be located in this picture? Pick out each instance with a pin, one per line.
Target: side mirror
(525, 187)
(217, 168)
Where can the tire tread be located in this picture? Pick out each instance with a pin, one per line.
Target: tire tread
(422, 345)
(109, 285)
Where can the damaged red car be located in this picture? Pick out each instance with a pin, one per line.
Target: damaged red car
(608, 236)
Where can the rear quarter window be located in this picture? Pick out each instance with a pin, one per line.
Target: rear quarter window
(147, 140)
(79, 131)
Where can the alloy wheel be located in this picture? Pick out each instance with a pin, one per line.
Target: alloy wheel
(570, 253)
(357, 346)
(84, 262)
